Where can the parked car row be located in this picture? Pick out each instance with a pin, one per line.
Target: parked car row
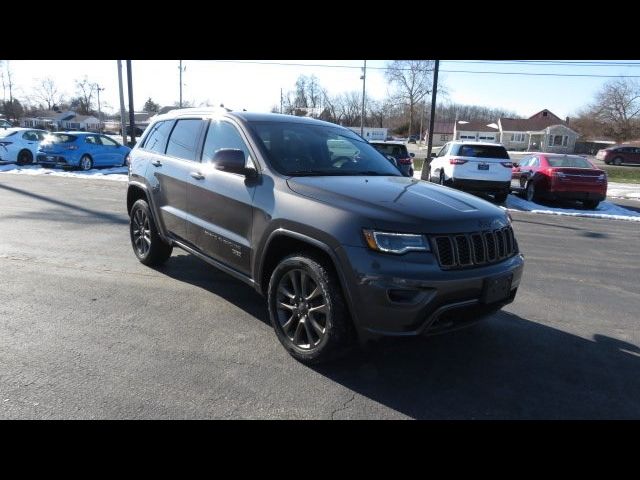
(83, 150)
(486, 167)
(619, 154)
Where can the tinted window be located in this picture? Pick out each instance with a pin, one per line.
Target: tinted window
(305, 149)
(577, 162)
(156, 141)
(182, 143)
(482, 151)
(61, 138)
(30, 136)
(397, 151)
(107, 141)
(223, 135)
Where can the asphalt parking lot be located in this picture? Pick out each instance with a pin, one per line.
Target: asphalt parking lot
(86, 331)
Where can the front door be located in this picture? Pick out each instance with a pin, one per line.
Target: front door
(220, 203)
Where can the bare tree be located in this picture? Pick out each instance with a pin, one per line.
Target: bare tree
(617, 106)
(47, 93)
(412, 80)
(84, 96)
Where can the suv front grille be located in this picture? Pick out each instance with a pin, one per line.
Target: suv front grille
(474, 249)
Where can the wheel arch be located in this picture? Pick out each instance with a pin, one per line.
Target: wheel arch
(283, 242)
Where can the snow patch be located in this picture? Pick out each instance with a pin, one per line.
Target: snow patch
(605, 210)
(120, 174)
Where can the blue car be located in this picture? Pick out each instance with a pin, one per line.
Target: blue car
(83, 150)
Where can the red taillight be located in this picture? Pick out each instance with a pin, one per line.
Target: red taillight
(507, 164)
(457, 161)
(404, 161)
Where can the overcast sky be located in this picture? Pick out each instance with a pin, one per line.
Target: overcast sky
(256, 86)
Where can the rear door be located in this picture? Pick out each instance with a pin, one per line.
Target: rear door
(171, 147)
(220, 203)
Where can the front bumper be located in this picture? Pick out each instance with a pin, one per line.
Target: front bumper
(411, 295)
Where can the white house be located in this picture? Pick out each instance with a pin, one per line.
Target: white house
(476, 131)
(81, 122)
(543, 132)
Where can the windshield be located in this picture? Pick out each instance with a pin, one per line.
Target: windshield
(301, 149)
(577, 162)
(60, 138)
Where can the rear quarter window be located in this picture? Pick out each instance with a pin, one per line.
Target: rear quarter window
(156, 140)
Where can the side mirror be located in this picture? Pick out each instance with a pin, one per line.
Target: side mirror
(412, 155)
(231, 160)
(515, 164)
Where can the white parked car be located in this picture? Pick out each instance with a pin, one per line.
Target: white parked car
(473, 167)
(20, 145)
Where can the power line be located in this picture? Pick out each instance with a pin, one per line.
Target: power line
(576, 63)
(442, 70)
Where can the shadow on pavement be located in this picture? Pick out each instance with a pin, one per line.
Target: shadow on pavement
(506, 367)
(104, 216)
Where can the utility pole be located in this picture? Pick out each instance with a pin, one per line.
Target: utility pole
(280, 100)
(99, 109)
(181, 70)
(433, 112)
(123, 124)
(132, 117)
(421, 118)
(364, 82)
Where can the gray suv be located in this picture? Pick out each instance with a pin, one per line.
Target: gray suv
(316, 219)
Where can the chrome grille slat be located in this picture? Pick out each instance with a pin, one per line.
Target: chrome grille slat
(467, 250)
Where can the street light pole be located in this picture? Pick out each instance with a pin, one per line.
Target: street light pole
(364, 82)
(180, 67)
(433, 110)
(132, 117)
(123, 124)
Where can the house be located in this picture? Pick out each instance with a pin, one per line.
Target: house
(476, 131)
(442, 133)
(543, 132)
(87, 123)
(47, 119)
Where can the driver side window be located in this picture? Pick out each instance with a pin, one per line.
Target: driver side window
(221, 134)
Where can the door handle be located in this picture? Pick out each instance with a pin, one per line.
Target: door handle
(197, 175)
(156, 163)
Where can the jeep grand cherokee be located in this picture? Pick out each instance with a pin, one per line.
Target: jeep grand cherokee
(318, 221)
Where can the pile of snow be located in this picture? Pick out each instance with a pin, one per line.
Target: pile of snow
(117, 173)
(623, 190)
(605, 210)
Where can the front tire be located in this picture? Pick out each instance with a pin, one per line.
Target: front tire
(147, 245)
(307, 309)
(530, 192)
(617, 161)
(441, 179)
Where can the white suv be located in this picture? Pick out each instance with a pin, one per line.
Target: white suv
(472, 166)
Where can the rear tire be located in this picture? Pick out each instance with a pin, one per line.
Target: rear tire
(307, 309)
(441, 178)
(25, 157)
(591, 204)
(617, 161)
(86, 163)
(530, 192)
(147, 245)
(501, 197)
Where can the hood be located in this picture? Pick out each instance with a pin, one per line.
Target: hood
(403, 204)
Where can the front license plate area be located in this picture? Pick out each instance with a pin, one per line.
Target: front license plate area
(496, 288)
(483, 166)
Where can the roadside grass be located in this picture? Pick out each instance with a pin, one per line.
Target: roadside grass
(621, 174)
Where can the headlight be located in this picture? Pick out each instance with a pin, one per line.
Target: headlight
(395, 242)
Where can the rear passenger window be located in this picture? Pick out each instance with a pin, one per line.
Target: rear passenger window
(157, 139)
(182, 143)
(223, 135)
